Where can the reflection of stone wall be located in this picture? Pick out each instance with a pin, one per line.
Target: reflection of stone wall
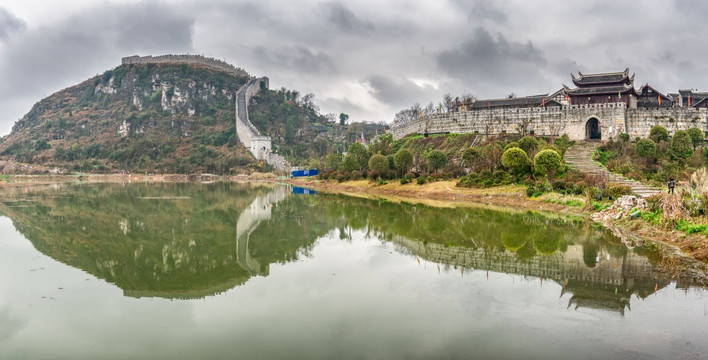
(259, 210)
(559, 266)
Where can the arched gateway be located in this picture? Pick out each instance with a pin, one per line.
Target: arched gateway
(592, 129)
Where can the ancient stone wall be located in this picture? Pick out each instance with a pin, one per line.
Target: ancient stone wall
(613, 119)
(186, 59)
(640, 121)
(259, 145)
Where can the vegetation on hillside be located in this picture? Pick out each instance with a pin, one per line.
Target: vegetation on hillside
(168, 118)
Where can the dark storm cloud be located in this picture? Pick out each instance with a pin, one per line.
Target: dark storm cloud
(9, 23)
(399, 92)
(44, 60)
(485, 57)
(296, 58)
(345, 20)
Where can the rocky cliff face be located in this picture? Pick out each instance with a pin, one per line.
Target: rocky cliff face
(175, 118)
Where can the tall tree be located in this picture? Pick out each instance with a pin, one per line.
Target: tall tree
(343, 118)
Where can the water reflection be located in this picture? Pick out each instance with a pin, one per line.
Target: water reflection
(191, 240)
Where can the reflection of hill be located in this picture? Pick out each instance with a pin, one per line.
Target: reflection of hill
(172, 240)
(189, 240)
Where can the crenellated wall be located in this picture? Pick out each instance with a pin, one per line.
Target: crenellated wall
(613, 119)
(640, 121)
(186, 59)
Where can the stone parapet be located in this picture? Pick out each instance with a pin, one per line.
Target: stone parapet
(612, 119)
(186, 59)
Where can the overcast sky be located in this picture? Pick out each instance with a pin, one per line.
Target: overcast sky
(368, 58)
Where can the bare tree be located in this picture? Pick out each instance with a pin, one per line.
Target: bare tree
(448, 102)
(429, 109)
(468, 98)
(407, 115)
(555, 128)
(523, 126)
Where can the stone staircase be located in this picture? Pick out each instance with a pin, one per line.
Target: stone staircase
(579, 157)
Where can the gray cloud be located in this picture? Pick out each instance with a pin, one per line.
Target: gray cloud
(46, 59)
(296, 57)
(398, 92)
(345, 20)
(367, 58)
(9, 23)
(487, 57)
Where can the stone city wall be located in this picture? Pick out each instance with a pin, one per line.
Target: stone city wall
(613, 119)
(640, 121)
(186, 59)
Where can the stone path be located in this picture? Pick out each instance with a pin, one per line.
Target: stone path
(579, 157)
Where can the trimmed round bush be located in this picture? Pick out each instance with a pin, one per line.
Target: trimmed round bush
(420, 180)
(378, 163)
(403, 160)
(547, 162)
(436, 160)
(510, 145)
(516, 160)
(681, 144)
(528, 143)
(697, 138)
(658, 133)
(645, 148)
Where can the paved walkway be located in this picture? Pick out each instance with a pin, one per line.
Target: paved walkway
(579, 157)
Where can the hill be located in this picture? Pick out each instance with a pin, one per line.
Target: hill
(163, 117)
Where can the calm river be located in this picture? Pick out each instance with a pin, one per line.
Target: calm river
(245, 271)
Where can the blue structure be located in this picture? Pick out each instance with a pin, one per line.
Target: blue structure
(303, 191)
(300, 173)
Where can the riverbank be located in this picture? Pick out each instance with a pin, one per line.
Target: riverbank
(681, 257)
(24, 180)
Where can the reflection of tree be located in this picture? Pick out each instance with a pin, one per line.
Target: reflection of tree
(548, 243)
(513, 242)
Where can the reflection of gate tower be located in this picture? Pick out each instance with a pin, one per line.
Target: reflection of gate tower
(258, 211)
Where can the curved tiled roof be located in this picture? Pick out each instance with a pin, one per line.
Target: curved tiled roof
(602, 78)
(517, 102)
(600, 90)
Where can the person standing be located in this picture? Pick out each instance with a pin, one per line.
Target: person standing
(671, 184)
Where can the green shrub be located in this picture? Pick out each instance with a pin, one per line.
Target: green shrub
(420, 180)
(436, 160)
(333, 160)
(645, 148)
(624, 137)
(359, 153)
(696, 135)
(528, 143)
(547, 162)
(681, 145)
(404, 181)
(349, 164)
(378, 163)
(403, 160)
(658, 133)
(510, 145)
(470, 155)
(614, 191)
(516, 160)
